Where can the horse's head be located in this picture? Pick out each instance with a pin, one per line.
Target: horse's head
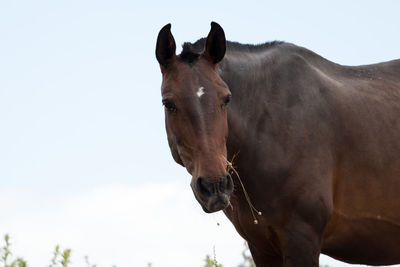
(195, 99)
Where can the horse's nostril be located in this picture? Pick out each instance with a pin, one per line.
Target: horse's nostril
(203, 187)
(209, 187)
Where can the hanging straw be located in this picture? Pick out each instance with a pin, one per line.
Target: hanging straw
(230, 167)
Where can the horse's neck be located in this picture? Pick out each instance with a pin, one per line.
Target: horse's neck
(234, 71)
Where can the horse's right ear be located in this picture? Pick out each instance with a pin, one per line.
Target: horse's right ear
(165, 48)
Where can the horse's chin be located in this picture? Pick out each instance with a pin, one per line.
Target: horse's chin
(216, 204)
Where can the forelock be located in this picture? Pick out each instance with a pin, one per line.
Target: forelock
(191, 51)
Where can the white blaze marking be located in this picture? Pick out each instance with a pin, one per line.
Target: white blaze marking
(200, 92)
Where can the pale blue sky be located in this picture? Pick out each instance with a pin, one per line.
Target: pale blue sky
(80, 105)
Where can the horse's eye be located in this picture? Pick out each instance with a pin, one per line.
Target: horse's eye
(169, 105)
(226, 100)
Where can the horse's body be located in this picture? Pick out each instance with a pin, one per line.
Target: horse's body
(318, 151)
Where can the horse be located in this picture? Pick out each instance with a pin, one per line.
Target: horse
(300, 153)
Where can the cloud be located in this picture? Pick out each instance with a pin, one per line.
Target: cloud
(125, 226)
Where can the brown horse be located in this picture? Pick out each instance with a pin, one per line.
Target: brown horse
(316, 146)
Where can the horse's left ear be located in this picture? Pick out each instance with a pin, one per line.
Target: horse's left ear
(215, 44)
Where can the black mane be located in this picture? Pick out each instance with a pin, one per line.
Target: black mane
(191, 51)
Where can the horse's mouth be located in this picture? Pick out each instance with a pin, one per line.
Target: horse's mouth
(213, 195)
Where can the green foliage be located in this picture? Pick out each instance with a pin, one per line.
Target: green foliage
(88, 264)
(247, 259)
(5, 251)
(65, 258)
(55, 256)
(246, 255)
(5, 254)
(62, 258)
(211, 263)
(19, 262)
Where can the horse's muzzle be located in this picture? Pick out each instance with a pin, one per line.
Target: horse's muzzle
(213, 194)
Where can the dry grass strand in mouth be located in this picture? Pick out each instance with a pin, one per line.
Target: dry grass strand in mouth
(231, 169)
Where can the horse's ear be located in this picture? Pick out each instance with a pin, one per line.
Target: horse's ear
(165, 47)
(215, 44)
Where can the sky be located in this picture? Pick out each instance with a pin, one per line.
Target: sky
(84, 159)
